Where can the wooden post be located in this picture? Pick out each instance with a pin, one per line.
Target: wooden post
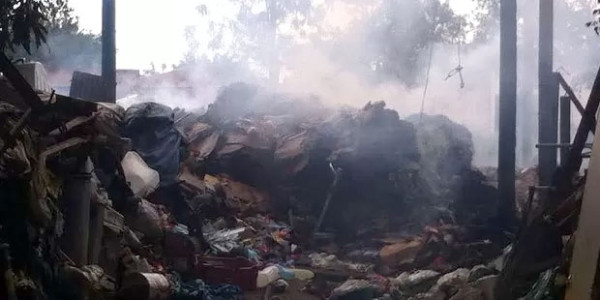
(109, 50)
(548, 100)
(508, 109)
(565, 127)
(587, 244)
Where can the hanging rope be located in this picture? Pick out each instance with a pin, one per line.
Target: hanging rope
(426, 82)
(457, 70)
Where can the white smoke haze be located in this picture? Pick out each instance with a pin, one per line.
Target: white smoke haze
(313, 67)
(312, 63)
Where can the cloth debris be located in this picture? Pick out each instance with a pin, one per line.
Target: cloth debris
(198, 290)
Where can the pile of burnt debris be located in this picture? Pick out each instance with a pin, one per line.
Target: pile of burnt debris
(261, 197)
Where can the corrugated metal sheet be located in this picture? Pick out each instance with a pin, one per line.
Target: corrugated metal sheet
(88, 87)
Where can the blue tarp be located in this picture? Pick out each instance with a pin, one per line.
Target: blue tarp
(151, 128)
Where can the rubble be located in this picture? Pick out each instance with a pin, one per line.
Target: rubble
(155, 203)
(140, 177)
(487, 285)
(448, 283)
(414, 279)
(401, 253)
(354, 289)
(479, 271)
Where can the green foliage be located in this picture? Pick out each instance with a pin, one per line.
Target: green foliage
(576, 46)
(22, 22)
(402, 29)
(395, 34)
(486, 20)
(60, 17)
(66, 47)
(595, 23)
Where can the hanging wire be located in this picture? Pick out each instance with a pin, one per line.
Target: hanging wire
(426, 82)
(457, 70)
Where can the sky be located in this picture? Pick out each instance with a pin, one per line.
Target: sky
(150, 31)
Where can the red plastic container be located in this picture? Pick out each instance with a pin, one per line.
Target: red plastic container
(227, 270)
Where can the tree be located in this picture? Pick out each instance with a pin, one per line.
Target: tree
(60, 17)
(384, 40)
(402, 29)
(595, 22)
(66, 47)
(255, 31)
(486, 20)
(22, 22)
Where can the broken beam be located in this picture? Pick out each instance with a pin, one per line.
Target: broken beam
(569, 91)
(19, 83)
(588, 121)
(587, 245)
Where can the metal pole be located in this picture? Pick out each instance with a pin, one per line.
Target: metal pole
(96, 232)
(109, 50)
(508, 109)
(330, 193)
(77, 200)
(565, 127)
(547, 100)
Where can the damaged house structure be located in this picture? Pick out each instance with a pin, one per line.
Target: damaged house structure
(249, 196)
(270, 195)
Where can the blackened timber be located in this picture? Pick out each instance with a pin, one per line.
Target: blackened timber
(19, 83)
(109, 50)
(588, 121)
(584, 261)
(565, 127)
(508, 109)
(563, 83)
(548, 94)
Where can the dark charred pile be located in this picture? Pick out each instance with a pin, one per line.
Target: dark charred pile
(262, 194)
(448, 171)
(372, 153)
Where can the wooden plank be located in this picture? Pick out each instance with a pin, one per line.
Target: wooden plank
(565, 127)
(587, 243)
(19, 83)
(588, 121)
(570, 92)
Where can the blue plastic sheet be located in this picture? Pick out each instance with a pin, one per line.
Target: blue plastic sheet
(151, 128)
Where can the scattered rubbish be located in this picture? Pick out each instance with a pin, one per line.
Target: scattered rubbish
(140, 177)
(408, 280)
(273, 199)
(145, 286)
(448, 283)
(217, 270)
(150, 126)
(267, 276)
(199, 290)
(401, 253)
(353, 289)
(487, 285)
(146, 219)
(280, 286)
(479, 271)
